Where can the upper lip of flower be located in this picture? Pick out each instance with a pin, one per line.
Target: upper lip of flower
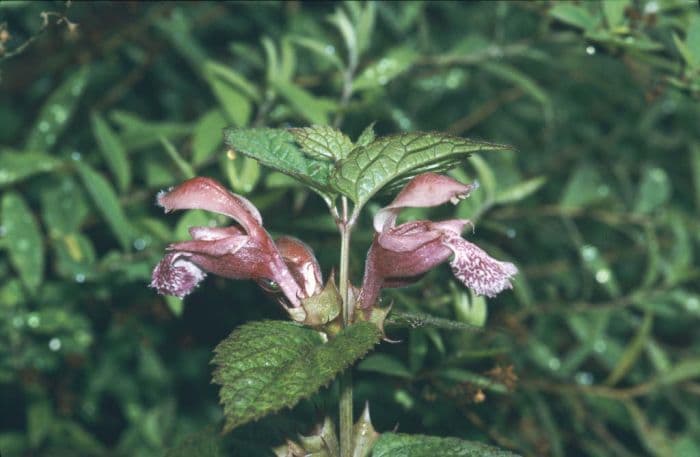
(402, 253)
(245, 251)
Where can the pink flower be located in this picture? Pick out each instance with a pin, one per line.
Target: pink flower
(242, 251)
(400, 254)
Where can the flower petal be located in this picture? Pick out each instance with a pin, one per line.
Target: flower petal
(176, 275)
(476, 269)
(425, 190)
(301, 263)
(207, 194)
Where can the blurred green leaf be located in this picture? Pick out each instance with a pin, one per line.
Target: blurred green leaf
(112, 151)
(232, 91)
(387, 68)
(208, 136)
(402, 445)
(614, 11)
(384, 364)
(695, 170)
(520, 191)
(205, 443)
(585, 186)
(524, 82)
(418, 320)
(399, 157)
(23, 240)
(323, 142)
(573, 14)
(265, 366)
(107, 203)
(16, 166)
(184, 167)
(654, 190)
(39, 419)
(325, 50)
(632, 351)
(57, 111)
(243, 172)
(692, 42)
(314, 109)
(137, 133)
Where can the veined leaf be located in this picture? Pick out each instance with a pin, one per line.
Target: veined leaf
(57, 111)
(112, 150)
(402, 445)
(107, 203)
(265, 366)
(23, 240)
(394, 159)
(16, 166)
(323, 142)
(276, 149)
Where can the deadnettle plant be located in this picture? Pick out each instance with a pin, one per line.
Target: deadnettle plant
(265, 366)
(241, 251)
(400, 254)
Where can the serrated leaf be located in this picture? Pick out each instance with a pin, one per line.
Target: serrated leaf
(206, 138)
(402, 445)
(276, 149)
(265, 366)
(323, 142)
(397, 158)
(57, 111)
(107, 203)
(112, 150)
(16, 166)
(23, 240)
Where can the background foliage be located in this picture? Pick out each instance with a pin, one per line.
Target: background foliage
(595, 352)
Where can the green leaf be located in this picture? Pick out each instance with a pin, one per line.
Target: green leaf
(314, 109)
(584, 188)
(276, 149)
(417, 320)
(614, 11)
(393, 64)
(695, 170)
(367, 136)
(184, 167)
(57, 112)
(243, 172)
(23, 240)
(394, 159)
(632, 351)
(692, 42)
(402, 445)
(654, 190)
(16, 166)
(325, 50)
(323, 142)
(226, 85)
(207, 137)
(107, 203)
(385, 364)
(137, 133)
(524, 82)
(233, 78)
(575, 15)
(205, 443)
(263, 367)
(520, 191)
(112, 150)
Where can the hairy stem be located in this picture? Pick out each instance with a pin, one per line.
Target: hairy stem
(346, 415)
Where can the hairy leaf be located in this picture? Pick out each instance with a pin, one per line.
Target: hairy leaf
(276, 149)
(393, 159)
(23, 240)
(417, 320)
(323, 142)
(402, 445)
(265, 366)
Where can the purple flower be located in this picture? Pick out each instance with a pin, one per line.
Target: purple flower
(242, 251)
(400, 254)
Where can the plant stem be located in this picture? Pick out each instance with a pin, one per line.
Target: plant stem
(345, 412)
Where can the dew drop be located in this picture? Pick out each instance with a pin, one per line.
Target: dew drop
(55, 344)
(59, 113)
(79, 278)
(17, 322)
(511, 232)
(692, 304)
(603, 190)
(602, 276)
(139, 244)
(44, 126)
(3, 230)
(584, 378)
(33, 320)
(589, 253)
(330, 50)
(231, 154)
(75, 155)
(651, 7)
(590, 50)
(554, 363)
